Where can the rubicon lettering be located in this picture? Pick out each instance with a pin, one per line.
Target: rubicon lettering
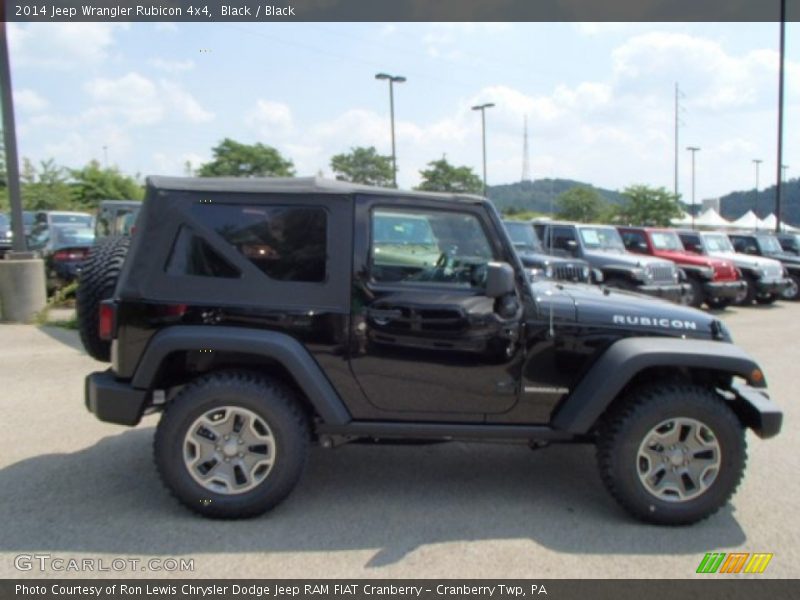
(662, 322)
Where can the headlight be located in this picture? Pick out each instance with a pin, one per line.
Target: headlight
(548, 271)
(707, 273)
(585, 272)
(639, 273)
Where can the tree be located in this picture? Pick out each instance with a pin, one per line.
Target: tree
(582, 204)
(45, 187)
(363, 165)
(444, 177)
(234, 159)
(649, 206)
(94, 183)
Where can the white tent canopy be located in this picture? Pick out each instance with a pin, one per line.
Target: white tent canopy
(770, 222)
(711, 219)
(748, 220)
(684, 220)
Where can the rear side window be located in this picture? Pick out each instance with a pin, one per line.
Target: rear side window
(286, 243)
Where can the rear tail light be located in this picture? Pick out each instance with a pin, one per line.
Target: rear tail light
(70, 254)
(172, 310)
(108, 314)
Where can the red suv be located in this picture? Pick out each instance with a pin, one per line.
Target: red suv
(715, 281)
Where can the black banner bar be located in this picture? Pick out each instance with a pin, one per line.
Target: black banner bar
(706, 588)
(209, 11)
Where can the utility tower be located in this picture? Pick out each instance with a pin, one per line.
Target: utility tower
(526, 160)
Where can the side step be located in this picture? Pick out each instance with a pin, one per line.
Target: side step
(446, 431)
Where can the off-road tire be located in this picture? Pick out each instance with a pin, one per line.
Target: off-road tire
(624, 427)
(96, 282)
(751, 295)
(796, 279)
(698, 294)
(718, 303)
(768, 299)
(620, 283)
(272, 401)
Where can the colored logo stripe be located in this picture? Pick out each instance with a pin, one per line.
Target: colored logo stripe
(758, 563)
(711, 562)
(735, 562)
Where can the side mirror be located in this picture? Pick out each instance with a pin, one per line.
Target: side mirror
(571, 246)
(499, 279)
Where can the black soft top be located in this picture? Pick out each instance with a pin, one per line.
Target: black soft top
(291, 185)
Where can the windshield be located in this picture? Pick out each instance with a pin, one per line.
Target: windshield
(716, 242)
(769, 244)
(72, 236)
(666, 240)
(3, 220)
(76, 219)
(523, 236)
(403, 229)
(601, 238)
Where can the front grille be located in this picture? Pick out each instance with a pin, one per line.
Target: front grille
(662, 273)
(773, 271)
(569, 272)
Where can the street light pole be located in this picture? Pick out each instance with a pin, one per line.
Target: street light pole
(482, 108)
(693, 150)
(392, 79)
(782, 58)
(10, 145)
(757, 162)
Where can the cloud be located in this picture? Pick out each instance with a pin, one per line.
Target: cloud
(270, 119)
(61, 45)
(171, 66)
(183, 104)
(27, 100)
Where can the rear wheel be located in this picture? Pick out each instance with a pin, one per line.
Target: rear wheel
(96, 282)
(232, 445)
(671, 454)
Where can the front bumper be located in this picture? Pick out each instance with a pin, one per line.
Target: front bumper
(772, 286)
(114, 401)
(756, 410)
(724, 290)
(673, 292)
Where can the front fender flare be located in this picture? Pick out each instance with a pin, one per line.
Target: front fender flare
(273, 345)
(609, 375)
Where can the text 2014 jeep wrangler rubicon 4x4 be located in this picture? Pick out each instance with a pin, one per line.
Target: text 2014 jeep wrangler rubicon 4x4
(260, 316)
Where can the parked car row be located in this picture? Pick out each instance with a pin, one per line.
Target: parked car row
(64, 238)
(685, 266)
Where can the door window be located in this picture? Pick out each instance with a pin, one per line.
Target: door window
(428, 247)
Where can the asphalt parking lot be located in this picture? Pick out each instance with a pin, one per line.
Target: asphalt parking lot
(72, 487)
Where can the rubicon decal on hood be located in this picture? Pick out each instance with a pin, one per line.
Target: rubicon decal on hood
(654, 322)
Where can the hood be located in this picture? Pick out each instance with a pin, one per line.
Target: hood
(746, 260)
(534, 259)
(592, 305)
(785, 257)
(611, 258)
(689, 259)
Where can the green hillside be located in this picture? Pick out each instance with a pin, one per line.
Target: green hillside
(539, 196)
(735, 204)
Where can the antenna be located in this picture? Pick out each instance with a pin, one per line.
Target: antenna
(526, 163)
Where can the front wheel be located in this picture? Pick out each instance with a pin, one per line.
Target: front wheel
(671, 454)
(232, 444)
(793, 291)
(694, 297)
(768, 299)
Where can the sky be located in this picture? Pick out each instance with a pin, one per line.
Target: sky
(598, 97)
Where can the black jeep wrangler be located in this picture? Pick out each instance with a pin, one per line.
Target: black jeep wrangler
(262, 315)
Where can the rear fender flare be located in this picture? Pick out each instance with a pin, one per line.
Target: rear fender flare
(276, 346)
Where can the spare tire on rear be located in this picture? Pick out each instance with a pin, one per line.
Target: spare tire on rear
(96, 282)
